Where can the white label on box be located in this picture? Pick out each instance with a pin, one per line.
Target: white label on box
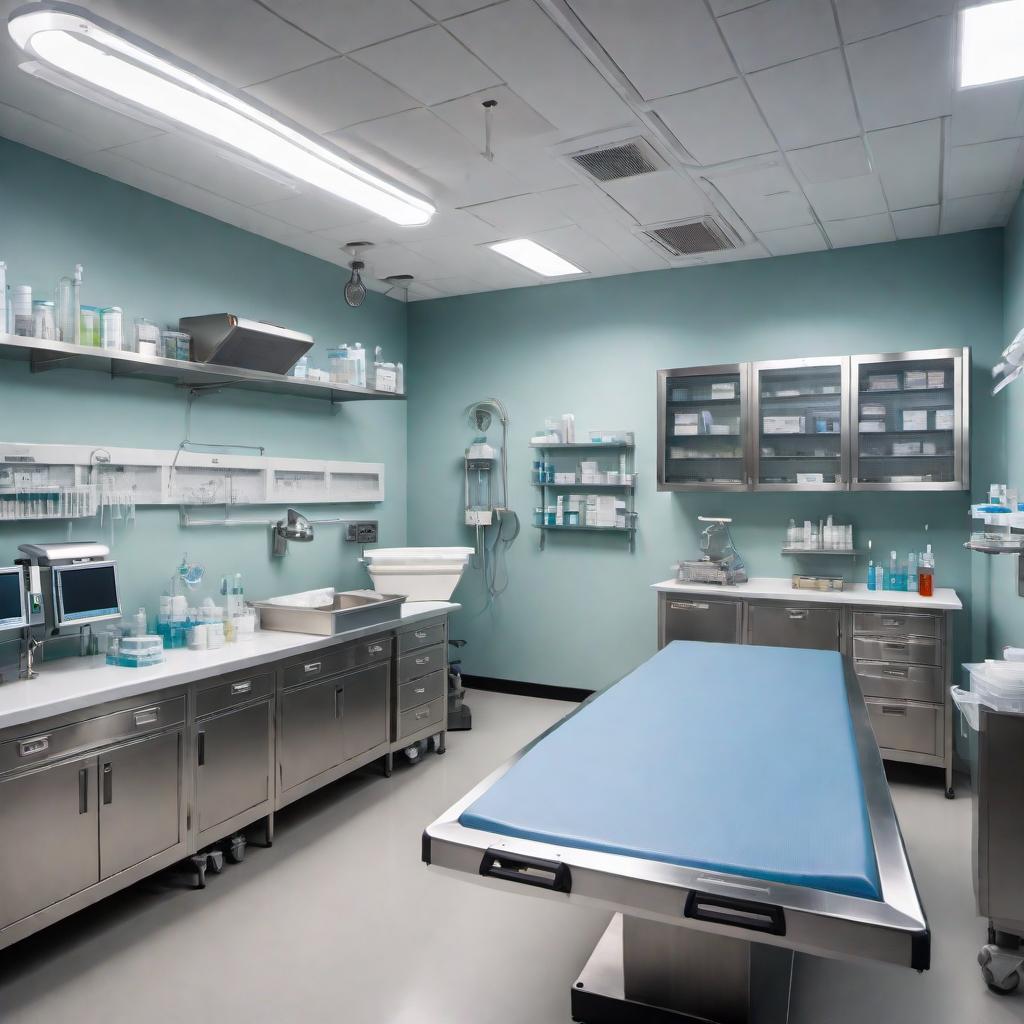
(944, 419)
(915, 419)
(723, 390)
(784, 424)
(810, 478)
(872, 426)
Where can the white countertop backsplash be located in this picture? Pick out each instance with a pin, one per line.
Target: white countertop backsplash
(70, 684)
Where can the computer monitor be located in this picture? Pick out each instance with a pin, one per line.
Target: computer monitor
(12, 598)
(85, 593)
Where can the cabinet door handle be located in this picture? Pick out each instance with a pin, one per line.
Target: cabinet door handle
(895, 646)
(892, 709)
(425, 713)
(897, 673)
(420, 634)
(108, 783)
(339, 702)
(313, 666)
(147, 717)
(83, 790)
(797, 613)
(893, 622)
(375, 649)
(420, 689)
(201, 748)
(423, 661)
(240, 688)
(35, 745)
(687, 606)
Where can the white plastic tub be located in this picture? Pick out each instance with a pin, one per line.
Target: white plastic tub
(421, 574)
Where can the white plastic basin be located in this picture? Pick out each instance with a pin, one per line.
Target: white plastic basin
(421, 574)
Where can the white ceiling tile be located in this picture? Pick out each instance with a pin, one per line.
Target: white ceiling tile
(662, 46)
(971, 213)
(235, 40)
(417, 291)
(778, 31)
(767, 197)
(831, 162)
(860, 231)
(385, 260)
(982, 168)
(535, 166)
(717, 123)
(720, 7)
(445, 225)
(513, 121)
(452, 258)
(331, 95)
(21, 127)
(626, 244)
(659, 196)
(521, 215)
(908, 159)
(904, 76)
(807, 101)
(917, 223)
(455, 284)
(787, 241)
(522, 45)
(849, 197)
(859, 19)
(442, 9)
(428, 64)
(192, 161)
(988, 113)
(474, 180)
(577, 246)
(323, 249)
(313, 211)
(354, 23)
(585, 203)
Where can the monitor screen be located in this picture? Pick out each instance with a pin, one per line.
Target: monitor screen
(12, 599)
(86, 593)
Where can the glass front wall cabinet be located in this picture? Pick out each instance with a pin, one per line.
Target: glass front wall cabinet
(703, 428)
(909, 415)
(799, 424)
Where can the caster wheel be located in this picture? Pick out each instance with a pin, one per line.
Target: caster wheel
(950, 794)
(993, 962)
(235, 851)
(1006, 987)
(199, 869)
(215, 861)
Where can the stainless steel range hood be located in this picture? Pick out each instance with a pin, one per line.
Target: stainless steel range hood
(226, 339)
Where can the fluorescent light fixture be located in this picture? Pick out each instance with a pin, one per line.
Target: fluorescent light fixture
(536, 258)
(991, 43)
(93, 51)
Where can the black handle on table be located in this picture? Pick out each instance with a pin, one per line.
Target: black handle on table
(755, 917)
(516, 867)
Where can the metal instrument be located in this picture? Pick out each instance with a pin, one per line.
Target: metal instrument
(226, 339)
(294, 527)
(720, 562)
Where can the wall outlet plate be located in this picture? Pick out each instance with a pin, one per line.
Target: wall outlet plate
(364, 532)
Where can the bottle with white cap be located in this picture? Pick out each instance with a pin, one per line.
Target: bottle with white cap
(21, 303)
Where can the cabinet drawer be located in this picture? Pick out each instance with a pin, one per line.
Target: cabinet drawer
(897, 624)
(423, 636)
(791, 625)
(420, 663)
(908, 651)
(916, 728)
(415, 719)
(41, 745)
(698, 618)
(420, 691)
(908, 682)
(228, 693)
(332, 660)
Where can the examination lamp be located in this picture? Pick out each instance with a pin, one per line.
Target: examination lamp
(294, 527)
(86, 49)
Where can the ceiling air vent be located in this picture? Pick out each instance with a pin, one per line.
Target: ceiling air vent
(691, 237)
(619, 160)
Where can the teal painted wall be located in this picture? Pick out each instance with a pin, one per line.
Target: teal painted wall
(581, 613)
(160, 260)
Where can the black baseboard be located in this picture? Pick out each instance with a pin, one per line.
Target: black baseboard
(569, 693)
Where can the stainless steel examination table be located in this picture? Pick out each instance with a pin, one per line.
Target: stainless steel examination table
(729, 803)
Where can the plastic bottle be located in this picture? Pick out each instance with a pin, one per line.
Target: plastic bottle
(926, 574)
(871, 570)
(879, 576)
(912, 572)
(893, 576)
(140, 625)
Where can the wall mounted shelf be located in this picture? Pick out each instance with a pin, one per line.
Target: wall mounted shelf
(813, 552)
(51, 355)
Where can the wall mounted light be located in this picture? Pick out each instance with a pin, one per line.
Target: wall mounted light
(90, 50)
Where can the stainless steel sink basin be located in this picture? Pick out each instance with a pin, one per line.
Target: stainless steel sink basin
(346, 610)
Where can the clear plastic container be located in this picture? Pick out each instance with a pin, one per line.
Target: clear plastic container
(998, 685)
(112, 328)
(173, 343)
(89, 318)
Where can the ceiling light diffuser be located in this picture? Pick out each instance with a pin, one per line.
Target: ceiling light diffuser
(991, 43)
(91, 50)
(536, 258)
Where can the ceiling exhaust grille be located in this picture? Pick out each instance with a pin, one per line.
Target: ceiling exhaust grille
(621, 160)
(691, 237)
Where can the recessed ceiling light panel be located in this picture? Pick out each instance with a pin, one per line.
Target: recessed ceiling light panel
(91, 50)
(991, 43)
(536, 258)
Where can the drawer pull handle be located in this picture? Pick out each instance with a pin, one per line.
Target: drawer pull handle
(797, 613)
(895, 646)
(425, 713)
(893, 622)
(147, 717)
(423, 661)
(376, 648)
(239, 688)
(420, 634)
(420, 689)
(83, 790)
(889, 709)
(896, 673)
(36, 745)
(685, 606)
(108, 783)
(313, 666)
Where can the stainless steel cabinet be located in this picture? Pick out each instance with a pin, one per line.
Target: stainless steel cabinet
(783, 625)
(140, 801)
(48, 837)
(233, 763)
(364, 709)
(699, 618)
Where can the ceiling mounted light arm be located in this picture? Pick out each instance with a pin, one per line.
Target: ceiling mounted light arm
(93, 51)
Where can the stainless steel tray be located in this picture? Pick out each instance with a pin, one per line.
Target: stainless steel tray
(350, 609)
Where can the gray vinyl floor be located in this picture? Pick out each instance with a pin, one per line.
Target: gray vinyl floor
(340, 921)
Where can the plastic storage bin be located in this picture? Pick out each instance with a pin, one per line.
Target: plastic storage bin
(998, 685)
(420, 574)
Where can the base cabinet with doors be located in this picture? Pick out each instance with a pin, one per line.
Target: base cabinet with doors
(94, 800)
(902, 659)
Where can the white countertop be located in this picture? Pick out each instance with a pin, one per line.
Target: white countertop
(70, 684)
(772, 588)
